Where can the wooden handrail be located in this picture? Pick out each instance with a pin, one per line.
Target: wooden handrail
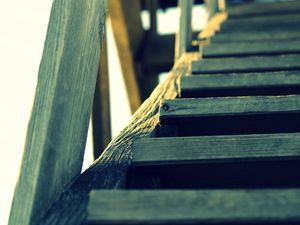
(58, 126)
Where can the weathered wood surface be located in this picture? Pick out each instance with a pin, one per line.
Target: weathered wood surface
(240, 80)
(128, 33)
(109, 170)
(207, 149)
(249, 36)
(59, 121)
(184, 35)
(224, 106)
(196, 207)
(263, 9)
(247, 64)
(251, 48)
(241, 84)
(101, 105)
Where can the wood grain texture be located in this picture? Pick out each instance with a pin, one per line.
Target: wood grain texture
(58, 125)
(196, 207)
(264, 9)
(251, 48)
(207, 149)
(225, 106)
(109, 170)
(240, 80)
(247, 64)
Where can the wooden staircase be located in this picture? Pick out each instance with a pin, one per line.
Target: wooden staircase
(227, 149)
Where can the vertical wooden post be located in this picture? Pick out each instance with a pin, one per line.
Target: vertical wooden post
(101, 105)
(60, 116)
(185, 34)
(152, 7)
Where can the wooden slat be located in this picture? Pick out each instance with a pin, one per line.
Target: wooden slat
(59, 121)
(251, 48)
(249, 36)
(211, 149)
(197, 207)
(263, 9)
(265, 22)
(247, 64)
(203, 107)
(269, 82)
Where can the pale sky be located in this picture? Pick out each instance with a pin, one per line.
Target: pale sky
(23, 26)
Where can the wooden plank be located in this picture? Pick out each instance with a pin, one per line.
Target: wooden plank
(249, 36)
(213, 149)
(242, 84)
(251, 48)
(261, 22)
(128, 33)
(247, 64)
(246, 105)
(101, 106)
(184, 35)
(263, 9)
(196, 207)
(59, 121)
(110, 169)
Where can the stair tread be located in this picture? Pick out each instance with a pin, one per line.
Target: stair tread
(264, 9)
(253, 48)
(250, 36)
(240, 80)
(224, 106)
(193, 206)
(247, 64)
(207, 149)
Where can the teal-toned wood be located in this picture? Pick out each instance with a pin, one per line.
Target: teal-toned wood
(60, 116)
(251, 48)
(247, 64)
(249, 36)
(227, 83)
(184, 37)
(263, 9)
(196, 207)
(224, 106)
(213, 149)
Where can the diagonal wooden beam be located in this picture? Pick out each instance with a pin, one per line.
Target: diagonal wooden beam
(128, 32)
(60, 116)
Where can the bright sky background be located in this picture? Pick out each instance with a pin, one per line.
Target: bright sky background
(23, 26)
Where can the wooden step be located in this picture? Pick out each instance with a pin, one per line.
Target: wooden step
(264, 9)
(247, 64)
(194, 207)
(203, 107)
(232, 115)
(248, 49)
(243, 84)
(249, 36)
(272, 20)
(228, 161)
(211, 149)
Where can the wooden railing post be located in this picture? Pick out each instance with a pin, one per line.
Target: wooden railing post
(185, 33)
(60, 116)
